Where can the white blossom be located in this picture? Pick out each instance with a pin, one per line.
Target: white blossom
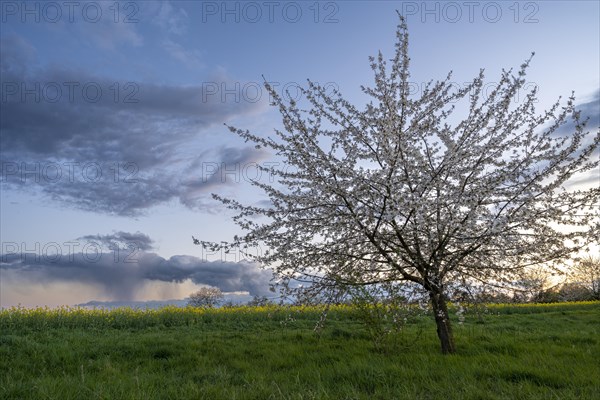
(394, 192)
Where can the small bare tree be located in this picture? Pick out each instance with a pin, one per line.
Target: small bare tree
(400, 191)
(206, 297)
(586, 272)
(534, 285)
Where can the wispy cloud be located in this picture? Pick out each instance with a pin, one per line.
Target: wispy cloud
(106, 27)
(190, 58)
(173, 20)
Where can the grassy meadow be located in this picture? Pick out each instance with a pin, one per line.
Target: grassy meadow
(504, 352)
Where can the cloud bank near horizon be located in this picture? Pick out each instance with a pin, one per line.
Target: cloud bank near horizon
(128, 271)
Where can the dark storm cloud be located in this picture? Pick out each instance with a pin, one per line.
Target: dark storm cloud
(133, 192)
(120, 275)
(60, 112)
(116, 144)
(122, 239)
(227, 276)
(16, 54)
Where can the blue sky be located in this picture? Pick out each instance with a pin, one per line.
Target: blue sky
(153, 82)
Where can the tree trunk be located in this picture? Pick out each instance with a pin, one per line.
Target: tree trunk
(442, 320)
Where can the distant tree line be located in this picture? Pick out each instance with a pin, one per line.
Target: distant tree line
(582, 283)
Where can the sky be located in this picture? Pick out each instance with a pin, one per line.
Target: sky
(112, 134)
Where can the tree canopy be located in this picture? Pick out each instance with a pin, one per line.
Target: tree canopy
(397, 191)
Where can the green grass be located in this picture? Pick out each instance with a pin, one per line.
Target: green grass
(508, 352)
